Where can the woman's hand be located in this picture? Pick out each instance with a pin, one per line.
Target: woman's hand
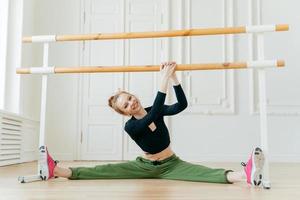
(173, 77)
(167, 70)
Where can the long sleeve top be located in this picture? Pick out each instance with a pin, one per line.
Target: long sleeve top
(138, 129)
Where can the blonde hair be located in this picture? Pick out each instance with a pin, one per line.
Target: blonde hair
(113, 99)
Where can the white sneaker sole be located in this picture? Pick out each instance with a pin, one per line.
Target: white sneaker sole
(43, 163)
(258, 160)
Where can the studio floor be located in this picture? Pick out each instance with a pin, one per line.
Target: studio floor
(285, 179)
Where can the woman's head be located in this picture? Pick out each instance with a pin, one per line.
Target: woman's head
(124, 103)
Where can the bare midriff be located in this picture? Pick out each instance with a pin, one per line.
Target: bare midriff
(166, 153)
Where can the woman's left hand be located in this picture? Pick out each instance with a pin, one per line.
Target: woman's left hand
(173, 76)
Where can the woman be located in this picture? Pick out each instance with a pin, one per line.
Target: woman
(147, 128)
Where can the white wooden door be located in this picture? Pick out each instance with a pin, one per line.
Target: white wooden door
(103, 137)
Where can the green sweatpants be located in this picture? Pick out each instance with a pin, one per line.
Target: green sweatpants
(171, 168)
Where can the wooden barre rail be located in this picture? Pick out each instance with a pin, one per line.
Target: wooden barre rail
(156, 34)
(151, 68)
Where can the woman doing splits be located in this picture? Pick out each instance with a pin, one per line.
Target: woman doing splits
(147, 128)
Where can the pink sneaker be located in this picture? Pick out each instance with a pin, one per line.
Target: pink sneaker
(254, 167)
(46, 164)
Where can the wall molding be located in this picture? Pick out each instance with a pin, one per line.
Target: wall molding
(273, 109)
(225, 103)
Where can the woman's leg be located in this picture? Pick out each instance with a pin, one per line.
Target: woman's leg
(231, 176)
(62, 172)
(234, 177)
(127, 170)
(136, 169)
(181, 170)
(109, 171)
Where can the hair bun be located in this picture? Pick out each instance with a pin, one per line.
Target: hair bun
(110, 101)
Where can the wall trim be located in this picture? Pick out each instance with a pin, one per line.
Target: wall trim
(225, 104)
(273, 109)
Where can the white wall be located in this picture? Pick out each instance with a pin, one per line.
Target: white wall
(3, 42)
(53, 17)
(30, 85)
(229, 137)
(61, 126)
(13, 56)
(196, 136)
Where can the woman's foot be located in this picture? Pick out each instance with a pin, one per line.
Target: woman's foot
(46, 164)
(254, 167)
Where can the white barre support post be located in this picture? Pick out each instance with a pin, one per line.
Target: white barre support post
(44, 96)
(263, 111)
(42, 174)
(30, 178)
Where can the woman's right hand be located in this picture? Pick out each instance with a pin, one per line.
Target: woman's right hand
(167, 69)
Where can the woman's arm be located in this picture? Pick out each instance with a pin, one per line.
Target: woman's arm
(135, 126)
(181, 98)
(166, 72)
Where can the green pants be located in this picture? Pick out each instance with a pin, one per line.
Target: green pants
(171, 168)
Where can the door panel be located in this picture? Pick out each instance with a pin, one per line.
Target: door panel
(101, 127)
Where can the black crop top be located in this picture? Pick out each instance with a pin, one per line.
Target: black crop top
(138, 129)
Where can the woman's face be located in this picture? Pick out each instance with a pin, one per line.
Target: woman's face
(128, 103)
